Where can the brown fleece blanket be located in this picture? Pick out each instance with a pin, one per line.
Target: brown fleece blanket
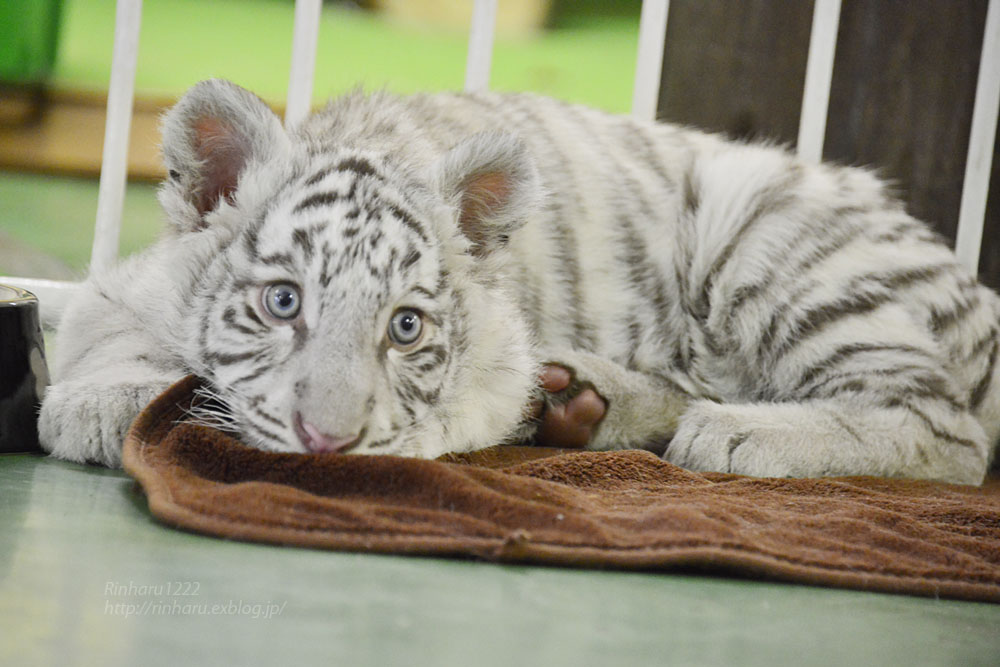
(624, 509)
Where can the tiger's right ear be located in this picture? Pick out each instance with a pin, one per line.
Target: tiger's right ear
(209, 137)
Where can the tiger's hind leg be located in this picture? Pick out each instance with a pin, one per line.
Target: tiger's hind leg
(912, 437)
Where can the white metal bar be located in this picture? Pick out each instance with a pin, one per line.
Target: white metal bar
(300, 80)
(819, 74)
(479, 60)
(976, 184)
(114, 161)
(649, 60)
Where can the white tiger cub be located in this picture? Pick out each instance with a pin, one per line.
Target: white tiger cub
(390, 275)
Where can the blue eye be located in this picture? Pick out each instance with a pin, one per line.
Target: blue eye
(281, 300)
(405, 327)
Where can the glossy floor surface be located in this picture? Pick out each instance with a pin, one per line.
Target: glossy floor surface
(87, 576)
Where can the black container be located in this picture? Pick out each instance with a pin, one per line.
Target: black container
(23, 372)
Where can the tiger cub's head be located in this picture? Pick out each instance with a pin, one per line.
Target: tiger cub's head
(355, 300)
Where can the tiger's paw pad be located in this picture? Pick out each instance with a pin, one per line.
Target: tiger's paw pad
(571, 410)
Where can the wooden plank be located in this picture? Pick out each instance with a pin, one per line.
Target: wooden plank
(66, 134)
(736, 67)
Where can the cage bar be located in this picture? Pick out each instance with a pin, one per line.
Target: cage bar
(305, 37)
(649, 59)
(479, 59)
(114, 160)
(976, 184)
(819, 75)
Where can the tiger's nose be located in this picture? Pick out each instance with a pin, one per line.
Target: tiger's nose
(317, 441)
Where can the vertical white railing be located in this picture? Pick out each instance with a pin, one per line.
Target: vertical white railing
(305, 37)
(976, 185)
(480, 55)
(649, 58)
(819, 76)
(114, 161)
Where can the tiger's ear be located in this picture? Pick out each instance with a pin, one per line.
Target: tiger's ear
(494, 184)
(209, 137)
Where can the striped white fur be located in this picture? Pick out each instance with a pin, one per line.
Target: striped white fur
(738, 309)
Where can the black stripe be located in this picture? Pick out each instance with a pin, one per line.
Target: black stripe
(865, 373)
(845, 352)
(264, 432)
(378, 444)
(250, 239)
(437, 353)
(816, 319)
(939, 321)
(303, 239)
(932, 427)
(979, 393)
(359, 166)
(300, 333)
(318, 176)
(866, 294)
(639, 142)
(426, 292)
(408, 390)
(283, 259)
(225, 359)
(634, 335)
(252, 314)
(412, 257)
(268, 417)
(316, 200)
(570, 276)
(768, 201)
(983, 344)
(407, 220)
(813, 257)
(899, 231)
(229, 317)
(896, 280)
(256, 373)
(934, 386)
(325, 275)
(844, 425)
(642, 273)
(691, 191)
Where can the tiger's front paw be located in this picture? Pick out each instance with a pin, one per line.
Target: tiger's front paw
(740, 439)
(570, 410)
(87, 423)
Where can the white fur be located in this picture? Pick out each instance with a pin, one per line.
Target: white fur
(689, 280)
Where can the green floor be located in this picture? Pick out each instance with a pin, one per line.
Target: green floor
(55, 215)
(79, 545)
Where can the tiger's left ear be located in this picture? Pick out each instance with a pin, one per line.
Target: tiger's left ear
(494, 184)
(210, 137)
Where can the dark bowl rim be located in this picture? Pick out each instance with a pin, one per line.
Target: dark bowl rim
(24, 297)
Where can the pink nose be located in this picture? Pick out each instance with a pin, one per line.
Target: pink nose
(317, 441)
